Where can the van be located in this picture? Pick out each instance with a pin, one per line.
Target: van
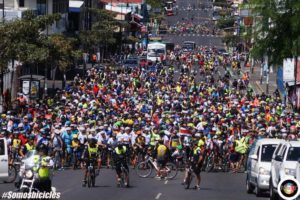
(259, 165)
(4, 175)
(283, 165)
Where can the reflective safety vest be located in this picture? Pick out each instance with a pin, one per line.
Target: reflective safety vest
(16, 143)
(200, 143)
(196, 151)
(154, 138)
(241, 147)
(43, 170)
(161, 150)
(29, 147)
(121, 151)
(92, 151)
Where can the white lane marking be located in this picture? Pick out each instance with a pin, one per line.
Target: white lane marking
(166, 182)
(158, 195)
(66, 191)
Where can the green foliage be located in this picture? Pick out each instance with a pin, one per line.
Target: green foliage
(225, 22)
(62, 53)
(102, 31)
(155, 3)
(231, 40)
(277, 29)
(23, 40)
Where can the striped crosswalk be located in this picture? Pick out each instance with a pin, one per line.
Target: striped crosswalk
(199, 35)
(195, 9)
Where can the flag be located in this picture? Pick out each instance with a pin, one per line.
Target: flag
(184, 132)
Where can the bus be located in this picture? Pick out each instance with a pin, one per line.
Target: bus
(189, 46)
(155, 51)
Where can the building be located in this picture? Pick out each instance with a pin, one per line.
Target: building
(15, 8)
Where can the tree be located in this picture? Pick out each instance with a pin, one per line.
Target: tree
(22, 40)
(277, 29)
(154, 3)
(62, 53)
(101, 36)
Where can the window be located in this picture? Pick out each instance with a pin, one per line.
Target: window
(41, 7)
(2, 147)
(267, 152)
(277, 150)
(21, 3)
(293, 154)
(282, 153)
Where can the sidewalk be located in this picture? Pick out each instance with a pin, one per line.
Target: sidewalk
(255, 77)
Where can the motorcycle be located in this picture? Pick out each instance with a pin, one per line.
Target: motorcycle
(28, 178)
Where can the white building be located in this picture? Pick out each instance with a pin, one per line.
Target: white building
(15, 8)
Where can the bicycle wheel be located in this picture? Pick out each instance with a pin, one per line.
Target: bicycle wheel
(209, 165)
(89, 179)
(171, 170)
(12, 174)
(188, 181)
(144, 169)
(93, 179)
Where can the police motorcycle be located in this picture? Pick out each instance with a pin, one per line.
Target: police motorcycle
(35, 173)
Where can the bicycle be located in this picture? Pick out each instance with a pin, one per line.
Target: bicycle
(189, 178)
(144, 169)
(12, 173)
(124, 182)
(91, 175)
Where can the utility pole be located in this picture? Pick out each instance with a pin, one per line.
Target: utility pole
(3, 12)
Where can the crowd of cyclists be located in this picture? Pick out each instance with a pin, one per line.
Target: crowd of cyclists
(114, 117)
(206, 27)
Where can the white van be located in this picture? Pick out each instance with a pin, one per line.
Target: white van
(259, 165)
(284, 164)
(3, 160)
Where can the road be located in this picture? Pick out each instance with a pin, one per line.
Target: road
(215, 186)
(201, 10)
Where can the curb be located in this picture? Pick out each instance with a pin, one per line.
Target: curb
(259, 87)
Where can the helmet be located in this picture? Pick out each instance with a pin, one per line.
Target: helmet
(120, 145)
(179, 147)
(43, 149)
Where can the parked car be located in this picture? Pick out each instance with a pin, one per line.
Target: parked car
(284, 162)
(259, 165)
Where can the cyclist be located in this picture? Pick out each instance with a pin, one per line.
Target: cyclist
(120, 158)
(90, 155)
(15, 146)
(29, 146)
(162, 155)
(196, 161)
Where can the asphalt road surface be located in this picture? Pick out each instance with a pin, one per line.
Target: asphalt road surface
(201, 10)
(214, 186)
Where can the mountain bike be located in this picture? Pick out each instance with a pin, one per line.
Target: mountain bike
(124, 177)
(189, 178)
(145, 168)
(91, 175)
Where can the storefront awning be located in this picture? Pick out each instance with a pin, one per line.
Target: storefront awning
(292, 83)
(74, 6)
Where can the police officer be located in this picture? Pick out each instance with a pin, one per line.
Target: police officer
(42, 163)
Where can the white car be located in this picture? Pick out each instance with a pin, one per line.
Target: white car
(284, 162)
(259, 165)
(4, 175)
